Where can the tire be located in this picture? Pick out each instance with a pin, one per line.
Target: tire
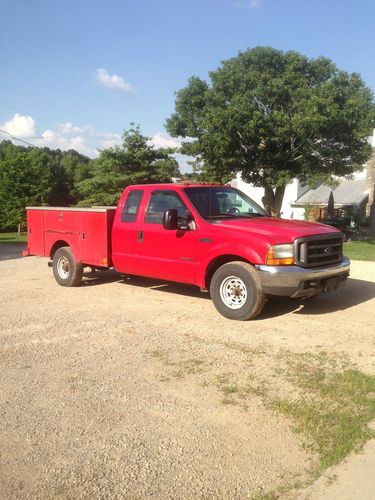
(236, 291)
(66, 270)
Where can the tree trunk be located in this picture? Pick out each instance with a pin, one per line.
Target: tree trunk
(372, 221)
(273, 199)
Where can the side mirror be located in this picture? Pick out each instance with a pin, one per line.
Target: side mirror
(170, 219)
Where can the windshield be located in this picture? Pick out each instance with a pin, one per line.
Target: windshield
(222, 202)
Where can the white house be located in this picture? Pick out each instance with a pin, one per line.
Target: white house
(355, 193)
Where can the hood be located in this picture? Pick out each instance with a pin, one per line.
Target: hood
(280, 230)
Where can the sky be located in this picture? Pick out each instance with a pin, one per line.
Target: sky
(76, 73)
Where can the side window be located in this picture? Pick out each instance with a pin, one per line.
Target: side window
(160, 201)
(130, 210)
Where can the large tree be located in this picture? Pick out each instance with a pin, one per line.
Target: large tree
(134, 162)
(274, 116)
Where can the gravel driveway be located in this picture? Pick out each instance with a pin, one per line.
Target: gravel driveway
(112, 389)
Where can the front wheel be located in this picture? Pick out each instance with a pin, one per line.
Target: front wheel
(66, 270)
(236, 291)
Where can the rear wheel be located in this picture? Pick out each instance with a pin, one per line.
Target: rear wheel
(236, 291)
(66, 270)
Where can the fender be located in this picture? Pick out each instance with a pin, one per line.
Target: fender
(72, 241)
(242, 250)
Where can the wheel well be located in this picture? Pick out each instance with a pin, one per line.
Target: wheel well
(56, 246)
(218, 262)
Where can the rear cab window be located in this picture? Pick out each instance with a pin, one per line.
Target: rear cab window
(130, 211)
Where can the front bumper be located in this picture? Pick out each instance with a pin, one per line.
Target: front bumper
(295, 281)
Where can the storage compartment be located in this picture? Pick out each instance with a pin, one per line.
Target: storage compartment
(35, 232)
(86, 230)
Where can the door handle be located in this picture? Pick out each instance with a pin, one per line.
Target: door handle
(140, 236)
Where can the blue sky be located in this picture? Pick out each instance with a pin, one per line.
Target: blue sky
(76, 73)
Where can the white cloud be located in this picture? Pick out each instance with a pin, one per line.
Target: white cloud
(109, 143)
(49, 136)
(20, 126)
(255, 4)
(55, 139)
(183, 164)
(68, 128)
(251, 4)
(160, 140)
(86, 140)
(114, 81)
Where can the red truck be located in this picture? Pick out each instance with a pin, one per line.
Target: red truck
(211, 236)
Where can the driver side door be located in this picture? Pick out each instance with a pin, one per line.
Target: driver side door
(167, 254)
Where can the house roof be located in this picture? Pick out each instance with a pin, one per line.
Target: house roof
(348, 192)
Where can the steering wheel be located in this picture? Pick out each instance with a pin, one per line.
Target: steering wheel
(234, 210)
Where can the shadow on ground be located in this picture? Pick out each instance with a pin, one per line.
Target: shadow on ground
(354, 292)
(102, 277)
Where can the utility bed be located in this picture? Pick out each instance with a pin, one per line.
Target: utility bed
(87, 231)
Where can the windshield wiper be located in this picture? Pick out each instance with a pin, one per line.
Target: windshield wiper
(254, 214)
(221, 215)
(234, 216)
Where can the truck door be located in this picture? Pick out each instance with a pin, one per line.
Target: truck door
(125, 234)
(166, 254)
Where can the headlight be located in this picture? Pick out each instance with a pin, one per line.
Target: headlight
(280, 255)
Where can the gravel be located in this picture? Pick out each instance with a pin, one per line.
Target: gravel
(108, 389)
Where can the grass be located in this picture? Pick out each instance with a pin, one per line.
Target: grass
(327, 400)
(13, 238)
(334, 410)
(360, 250)
(330, 404)
(265, 496)
(228, 401)
(181, 368)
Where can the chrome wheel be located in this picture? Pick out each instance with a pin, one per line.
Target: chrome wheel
(63, 267)
(233, 292)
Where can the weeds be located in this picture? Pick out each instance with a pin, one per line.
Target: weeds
(335, 410)
(329, 401)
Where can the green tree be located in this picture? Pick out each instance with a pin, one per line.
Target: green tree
(71, 168)
(27, 177)
(274, 116)
(134, 162)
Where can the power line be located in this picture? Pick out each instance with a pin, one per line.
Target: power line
(81, 117)
(38, 117)
(17, 138)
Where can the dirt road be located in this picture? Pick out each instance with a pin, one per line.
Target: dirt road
(120, 388)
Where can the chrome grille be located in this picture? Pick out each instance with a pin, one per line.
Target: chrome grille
(318, 250)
